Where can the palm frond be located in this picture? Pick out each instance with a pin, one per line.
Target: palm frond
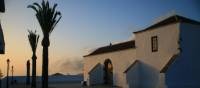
(36, 4)
(47, 16)
(54, 7)
(56, 23)
(33, 40)
(33, 7)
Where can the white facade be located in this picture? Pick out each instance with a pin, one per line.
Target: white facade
(2, 43)
(139, 66)
(132, 76)
(96, 75)
(184, 73)
(120, 61)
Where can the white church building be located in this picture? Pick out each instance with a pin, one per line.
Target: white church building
(164, 55)
(2, 42)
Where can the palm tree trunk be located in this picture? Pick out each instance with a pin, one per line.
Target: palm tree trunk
(45, 63)
(28, 73)
(33, 84)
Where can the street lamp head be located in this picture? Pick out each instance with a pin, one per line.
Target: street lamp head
(8, 60)
(28, 62)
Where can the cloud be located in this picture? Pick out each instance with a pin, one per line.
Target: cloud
(70, 65)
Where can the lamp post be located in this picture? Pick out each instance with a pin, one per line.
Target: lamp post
(12, 74)
(7, 84)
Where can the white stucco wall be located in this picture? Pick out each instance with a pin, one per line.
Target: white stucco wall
(96, 75)
(147, 73)
(120, 61)
(149, 76)
(184, 72)
(132, 76)
(162, 82)
(168, 37)
(2, 42)
(142, 75)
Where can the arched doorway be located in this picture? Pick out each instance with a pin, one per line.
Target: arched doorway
(108, 72)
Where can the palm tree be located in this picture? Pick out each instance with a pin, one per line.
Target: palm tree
(33, 40)
(48, 17)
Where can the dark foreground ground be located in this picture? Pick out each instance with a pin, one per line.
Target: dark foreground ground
(62, 85)
(64, 81)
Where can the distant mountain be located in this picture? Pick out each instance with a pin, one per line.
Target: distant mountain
(58, 74)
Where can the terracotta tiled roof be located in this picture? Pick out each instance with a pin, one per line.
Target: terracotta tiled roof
(112, 48)
(170, 20)
(2, 6)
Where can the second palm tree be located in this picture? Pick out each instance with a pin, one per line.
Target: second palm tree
(33, 40)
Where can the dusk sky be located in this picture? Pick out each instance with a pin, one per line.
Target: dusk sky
(85, 25)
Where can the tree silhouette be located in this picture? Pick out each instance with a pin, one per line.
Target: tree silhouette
(33, 40)
(28, 72)
(48, 17)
